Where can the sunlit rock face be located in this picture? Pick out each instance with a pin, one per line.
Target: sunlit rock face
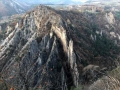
(110, 18)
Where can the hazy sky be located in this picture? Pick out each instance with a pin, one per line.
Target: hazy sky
(79, 0)
(55, 1)
(68, 0)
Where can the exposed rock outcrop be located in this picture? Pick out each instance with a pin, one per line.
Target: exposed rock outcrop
(39, 54)
(110, 18)
(106, 83)
(92, 73)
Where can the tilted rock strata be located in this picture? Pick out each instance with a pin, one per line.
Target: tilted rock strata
(33, 53)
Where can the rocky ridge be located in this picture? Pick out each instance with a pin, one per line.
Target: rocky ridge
(35, 55)
(55, 50)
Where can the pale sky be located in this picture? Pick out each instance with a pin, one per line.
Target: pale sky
(55, 1)
(68, 0)
(79, 0)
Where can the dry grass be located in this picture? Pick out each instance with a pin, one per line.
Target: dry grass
(115, 73)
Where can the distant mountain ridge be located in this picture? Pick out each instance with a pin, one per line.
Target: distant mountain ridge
(10, 7)
(51, 2)
(102, 1)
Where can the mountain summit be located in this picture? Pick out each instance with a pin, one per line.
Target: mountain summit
(40, 53)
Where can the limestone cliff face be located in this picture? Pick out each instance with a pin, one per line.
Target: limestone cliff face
(110, 18)
(39, 54)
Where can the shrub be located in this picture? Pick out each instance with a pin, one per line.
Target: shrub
(3, 86)
(77, 88)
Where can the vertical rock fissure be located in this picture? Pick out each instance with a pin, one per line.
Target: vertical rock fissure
(64, 58)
